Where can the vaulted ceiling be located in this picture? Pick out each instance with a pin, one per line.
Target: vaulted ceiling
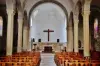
(94, 2)
(71, 2)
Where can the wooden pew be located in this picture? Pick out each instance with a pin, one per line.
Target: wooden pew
(21, 59)
(74, 59)
(81, 63)
(16, 64)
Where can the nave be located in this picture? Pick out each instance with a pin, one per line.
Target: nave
(81, 19)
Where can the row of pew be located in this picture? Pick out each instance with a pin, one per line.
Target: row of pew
(95, 55)
(74, 59)
(21, 59)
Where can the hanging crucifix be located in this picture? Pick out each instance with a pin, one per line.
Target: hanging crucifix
(48, 31)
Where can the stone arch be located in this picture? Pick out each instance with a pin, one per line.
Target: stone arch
(96, 8)
(78, 7)
(48, 1)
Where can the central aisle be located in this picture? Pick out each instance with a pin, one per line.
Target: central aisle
(47, 59)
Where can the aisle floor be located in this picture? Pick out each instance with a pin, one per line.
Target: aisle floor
(47, 59)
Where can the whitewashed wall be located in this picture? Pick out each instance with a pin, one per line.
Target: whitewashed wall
(48, 16)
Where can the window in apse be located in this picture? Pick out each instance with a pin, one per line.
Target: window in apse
(95, 28)
(1, 25)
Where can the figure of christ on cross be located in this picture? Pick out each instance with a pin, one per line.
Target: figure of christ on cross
(48, 31)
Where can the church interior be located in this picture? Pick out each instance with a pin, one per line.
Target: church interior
(49, 33)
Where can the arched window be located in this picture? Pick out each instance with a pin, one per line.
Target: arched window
(95, 28)
(1, 25)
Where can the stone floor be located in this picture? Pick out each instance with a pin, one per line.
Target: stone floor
(47, 59)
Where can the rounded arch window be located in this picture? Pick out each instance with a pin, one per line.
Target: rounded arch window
(1, 25)
(95, 28)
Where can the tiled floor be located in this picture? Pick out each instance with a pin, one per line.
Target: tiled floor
(47, 59)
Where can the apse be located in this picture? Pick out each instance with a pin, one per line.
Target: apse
(48, 17)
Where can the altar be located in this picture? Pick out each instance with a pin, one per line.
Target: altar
(49, 47)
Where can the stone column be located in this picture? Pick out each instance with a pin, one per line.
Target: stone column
(20, 26)
(86, 13)
(70, 37)
(86, 33)
(10, 24)
(25, 35)
(28, 35)
(29, 44)
(76, 21)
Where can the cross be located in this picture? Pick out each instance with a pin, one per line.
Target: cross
(48, 32)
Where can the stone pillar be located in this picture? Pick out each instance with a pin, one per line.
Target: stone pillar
(70, 37)
(86, 33)
(29, 44)
(76, 21)
(25, 35)
(10, 24)
(86, 13)
(20, 26)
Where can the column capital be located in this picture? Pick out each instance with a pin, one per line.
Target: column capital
(76, 13)
(20, 21)
(10, 11)
(20, 14)
(86, 7)
(10, 4)
(75, 16)
(76, 20)
(86, 12)
(20, 17)
(88, 2)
